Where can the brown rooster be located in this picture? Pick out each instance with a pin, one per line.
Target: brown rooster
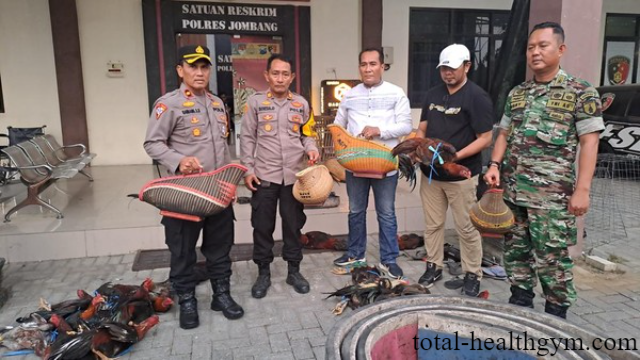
(322, 240)
(421, 150)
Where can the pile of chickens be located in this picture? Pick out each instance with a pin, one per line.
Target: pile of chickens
(371, 284)
(100, 326)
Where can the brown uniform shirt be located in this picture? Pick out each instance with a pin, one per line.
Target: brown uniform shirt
(183, 124)
(272, 144)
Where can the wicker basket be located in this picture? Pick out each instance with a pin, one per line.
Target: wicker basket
(491, 214)
(337, 171)
(314, 185)
(362, 157)
(194, 197)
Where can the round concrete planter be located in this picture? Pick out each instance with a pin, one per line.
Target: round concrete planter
(388, 330)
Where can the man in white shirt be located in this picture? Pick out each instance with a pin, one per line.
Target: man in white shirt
(380, 111)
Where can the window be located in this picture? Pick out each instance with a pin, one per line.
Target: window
(431, 30)
(620, 55)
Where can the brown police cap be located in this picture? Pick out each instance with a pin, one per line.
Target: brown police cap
(193, 53)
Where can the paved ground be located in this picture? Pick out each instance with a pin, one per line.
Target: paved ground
(286, 325)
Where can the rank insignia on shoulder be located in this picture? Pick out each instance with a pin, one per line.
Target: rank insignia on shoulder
(160, 109)
(267, 117)
(196, 132)
(266, 102)
(194, 120)
(296, 104)
(188, 103)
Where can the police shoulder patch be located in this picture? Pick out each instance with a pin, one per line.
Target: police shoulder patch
(160, 109)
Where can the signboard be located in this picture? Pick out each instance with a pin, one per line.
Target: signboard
(619, 62)
(331, 93)
(230, 18)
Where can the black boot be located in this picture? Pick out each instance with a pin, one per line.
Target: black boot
(295, 279)
(555, 309)
(263, 282)
(222, 300)
(188, 310)
(521, 297)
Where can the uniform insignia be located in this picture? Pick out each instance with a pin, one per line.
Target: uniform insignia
(200, 50)
(194, 120)
(223, 117)
(269, 94)
(452, 111)
(297, 118)
(245, 108)
(215, 103)
(187, 93)
(160, 109)
(268, 127)
(590, 107)
(196, 132)
(296, 104)
(295, 128)
(431, 106)
(290, 96)
(267, 117)
(188, 103)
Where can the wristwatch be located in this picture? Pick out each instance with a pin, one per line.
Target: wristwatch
(496, 163)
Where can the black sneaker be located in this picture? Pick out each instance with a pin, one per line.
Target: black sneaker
(392, 270)
(345, 260)
(431, 275)
(471, 285)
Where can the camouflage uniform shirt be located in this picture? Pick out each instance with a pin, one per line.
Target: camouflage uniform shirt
(544, 121)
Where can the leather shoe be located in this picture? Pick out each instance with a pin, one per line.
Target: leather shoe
(260, 287)
(299, 283)
(188, 310)
(222, 300)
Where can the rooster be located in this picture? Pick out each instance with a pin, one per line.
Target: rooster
(421, 150)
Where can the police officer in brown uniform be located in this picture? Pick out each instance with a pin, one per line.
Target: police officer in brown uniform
(273, 147)
(187, 134)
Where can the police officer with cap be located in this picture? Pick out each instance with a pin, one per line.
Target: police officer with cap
(187, 134)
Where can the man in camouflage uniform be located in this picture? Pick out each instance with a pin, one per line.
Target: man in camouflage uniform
(544, 121)
(187, 133)
(273, 146)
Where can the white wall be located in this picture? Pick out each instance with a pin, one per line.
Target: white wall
(395, 32)
(111, 30)
(27, 67)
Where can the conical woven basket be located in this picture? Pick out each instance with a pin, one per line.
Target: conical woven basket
(337, 171)
(491, 214)
(362, 157)
(314, 185)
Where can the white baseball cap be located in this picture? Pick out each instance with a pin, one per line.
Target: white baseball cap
(453, 56)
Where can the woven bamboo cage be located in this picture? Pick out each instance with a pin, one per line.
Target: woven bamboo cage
(362, 157)
(194, 197)
(491, 214)
(313, 185)
(337, 171)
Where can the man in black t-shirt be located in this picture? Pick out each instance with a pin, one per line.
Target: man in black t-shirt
(461, 113)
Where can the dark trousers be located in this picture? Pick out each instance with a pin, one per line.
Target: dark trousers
(217, 238)
(263, 219)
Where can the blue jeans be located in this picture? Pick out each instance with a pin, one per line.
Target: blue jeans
(384, 194)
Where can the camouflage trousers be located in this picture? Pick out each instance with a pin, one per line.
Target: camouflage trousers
(538, 243)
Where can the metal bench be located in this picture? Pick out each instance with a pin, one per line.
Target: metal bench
(37, 175)
(56, 155)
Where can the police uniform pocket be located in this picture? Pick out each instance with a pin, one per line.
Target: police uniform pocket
(267, 124)
(195, 128)
(294, 124)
